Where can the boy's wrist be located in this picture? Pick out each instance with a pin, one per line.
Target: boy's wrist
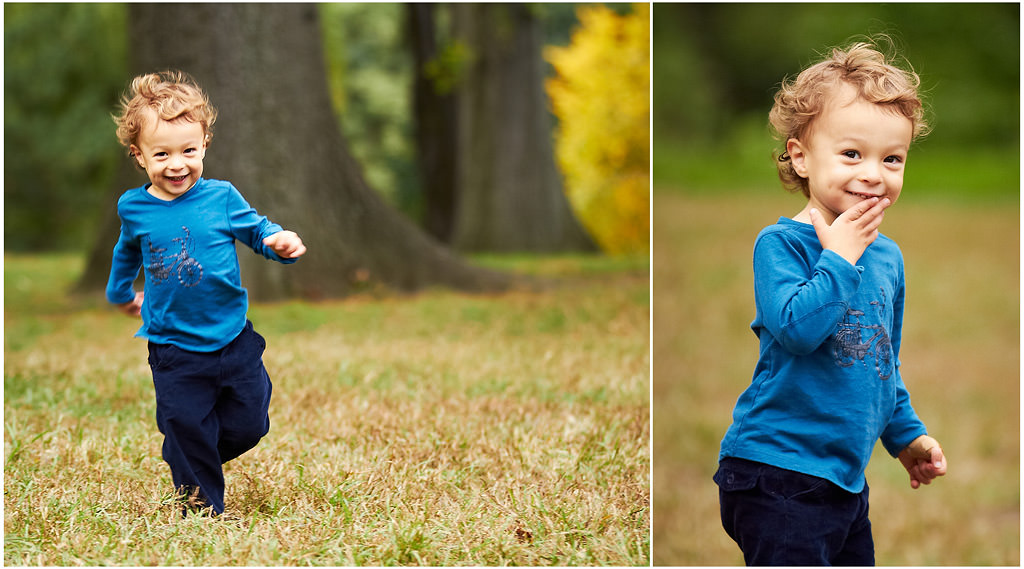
(845, 255)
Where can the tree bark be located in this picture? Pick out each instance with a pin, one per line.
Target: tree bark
(277, 141)
(434, 114)
(510, 195)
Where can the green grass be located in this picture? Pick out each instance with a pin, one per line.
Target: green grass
(438, 428)
(960, 360)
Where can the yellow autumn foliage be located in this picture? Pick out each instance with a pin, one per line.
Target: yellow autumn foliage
(601, 96)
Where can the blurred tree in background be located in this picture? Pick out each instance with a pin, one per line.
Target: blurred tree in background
(65, 66)
(509, 193)
(437, 60)
(369, 70)
(719, 65)
(59, 144)
(601, 94)
(277, 139)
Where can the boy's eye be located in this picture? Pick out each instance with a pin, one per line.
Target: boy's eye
(851, 154)
(894, 159)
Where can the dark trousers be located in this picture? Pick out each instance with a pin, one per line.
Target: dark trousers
(211, 407)
(781, 517)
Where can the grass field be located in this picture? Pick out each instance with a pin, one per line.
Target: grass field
(437, 429)
(960, 360)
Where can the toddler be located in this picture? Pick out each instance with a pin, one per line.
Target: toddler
(829, 293)
(212, 391)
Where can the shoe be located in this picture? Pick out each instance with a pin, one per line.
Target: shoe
(193, 502)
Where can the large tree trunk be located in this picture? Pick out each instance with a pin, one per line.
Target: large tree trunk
(510, 194)
(277, 140)
(434, 114)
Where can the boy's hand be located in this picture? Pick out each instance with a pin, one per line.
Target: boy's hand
(286, 244)
(924, 461)
(852, 231)
(134, 307)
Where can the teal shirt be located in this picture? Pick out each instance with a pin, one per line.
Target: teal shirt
(186, 247)
(827, 383)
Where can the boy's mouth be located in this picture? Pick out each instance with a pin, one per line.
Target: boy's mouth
(177, 179)
(862, 196)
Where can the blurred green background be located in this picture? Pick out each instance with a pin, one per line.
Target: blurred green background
(717, 66)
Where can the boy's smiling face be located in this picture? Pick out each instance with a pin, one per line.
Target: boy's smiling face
(854, 150)
(172, 154)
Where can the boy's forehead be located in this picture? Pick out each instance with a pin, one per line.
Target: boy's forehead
(841, 98)
(151, 123)
(846, 95)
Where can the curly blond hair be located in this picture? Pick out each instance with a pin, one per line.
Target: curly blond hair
(864, 67)
(172, 95)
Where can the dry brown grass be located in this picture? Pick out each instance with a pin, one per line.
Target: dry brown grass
(960, 361)
(438, 429)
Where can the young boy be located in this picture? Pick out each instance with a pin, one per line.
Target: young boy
(212, 391)
(829, 292)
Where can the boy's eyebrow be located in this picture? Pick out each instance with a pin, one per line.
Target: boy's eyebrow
(851, 139)
(184, 145)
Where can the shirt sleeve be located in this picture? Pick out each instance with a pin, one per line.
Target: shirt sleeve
(124, 267)
(800, 301)
(250, 227)
(904, 425)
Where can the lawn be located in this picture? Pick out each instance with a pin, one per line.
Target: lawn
(439, 428)
(960, 360)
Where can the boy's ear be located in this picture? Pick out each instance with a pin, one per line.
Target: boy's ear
(135, 152)
(795, 149)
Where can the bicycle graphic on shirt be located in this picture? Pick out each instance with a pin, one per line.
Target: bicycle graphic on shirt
(849, 347)
(185, 267)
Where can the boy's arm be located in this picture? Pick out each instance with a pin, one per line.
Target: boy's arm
(905, 436)
(800, 301)
(259, 233)
(124, 267)
(904, 425)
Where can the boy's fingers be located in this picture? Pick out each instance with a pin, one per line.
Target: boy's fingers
(860, 210)
(938, 460)
(879, 208)
(867, 210)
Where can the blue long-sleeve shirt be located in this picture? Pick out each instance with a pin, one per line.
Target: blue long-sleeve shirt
(194, 298)
(827, 383)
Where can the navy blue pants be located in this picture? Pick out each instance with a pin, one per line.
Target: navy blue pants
(781, 517)
(211, 407)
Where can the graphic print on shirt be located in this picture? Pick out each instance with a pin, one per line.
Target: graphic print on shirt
(849, 345)
(186, 268)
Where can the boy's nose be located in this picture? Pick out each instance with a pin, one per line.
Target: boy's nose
(870, 174)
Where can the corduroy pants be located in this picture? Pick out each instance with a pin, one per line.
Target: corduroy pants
(211, 407)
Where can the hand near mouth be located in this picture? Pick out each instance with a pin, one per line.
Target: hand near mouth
(852, 232)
